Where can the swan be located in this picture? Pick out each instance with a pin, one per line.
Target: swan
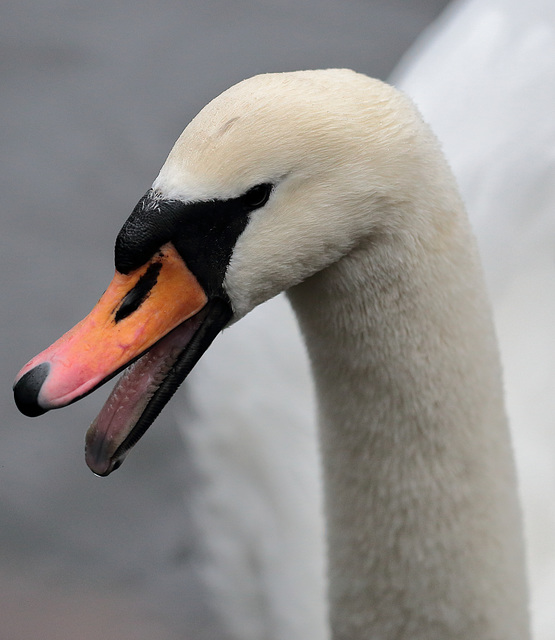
(327, 185)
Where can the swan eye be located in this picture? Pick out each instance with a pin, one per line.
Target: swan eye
(257, 196)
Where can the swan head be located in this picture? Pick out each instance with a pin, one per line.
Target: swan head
(327, 151)
(274, 180)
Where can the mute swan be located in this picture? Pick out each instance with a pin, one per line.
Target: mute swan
(328, 184)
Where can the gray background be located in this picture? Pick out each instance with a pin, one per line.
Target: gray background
(93, 95)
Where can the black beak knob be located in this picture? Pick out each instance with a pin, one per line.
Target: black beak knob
(26, 390)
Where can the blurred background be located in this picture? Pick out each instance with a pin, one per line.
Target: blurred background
(93, 95)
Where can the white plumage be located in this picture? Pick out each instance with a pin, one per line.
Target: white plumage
(369, 194)
(484, 77)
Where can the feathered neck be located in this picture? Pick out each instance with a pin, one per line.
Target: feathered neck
(423, 524)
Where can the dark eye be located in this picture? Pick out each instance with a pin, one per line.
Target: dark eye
(257, 196)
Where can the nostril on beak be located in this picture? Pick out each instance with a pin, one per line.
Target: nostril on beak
(26, 390)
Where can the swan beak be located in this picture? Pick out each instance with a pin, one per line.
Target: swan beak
(160, 304)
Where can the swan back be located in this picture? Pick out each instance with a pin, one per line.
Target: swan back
(484, 77)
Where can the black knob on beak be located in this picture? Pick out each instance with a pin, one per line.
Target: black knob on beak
(26, 390)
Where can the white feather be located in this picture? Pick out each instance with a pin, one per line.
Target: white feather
(405, 157)
(484, 77)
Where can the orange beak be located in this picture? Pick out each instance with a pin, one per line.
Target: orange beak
(134, 313)
(158, 315)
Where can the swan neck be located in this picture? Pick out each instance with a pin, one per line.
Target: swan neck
(423, 525)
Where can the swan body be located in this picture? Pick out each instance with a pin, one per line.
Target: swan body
(329, 185)
(500, 142)
(249, 424)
